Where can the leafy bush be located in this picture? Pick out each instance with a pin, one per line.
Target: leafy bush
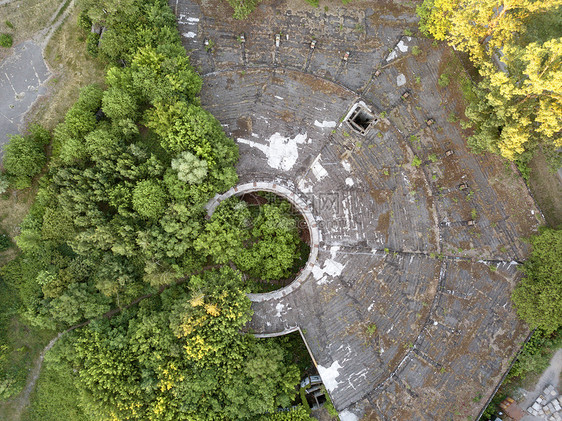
(328, 404)
(5, 242)
(84, 21)
(6, 40)
(538, 296)
(4, 183)
(314, 3)
(25, 156)
(243, 8)
(444, 80)
(298, 413)
(536, 353)
(92, 43)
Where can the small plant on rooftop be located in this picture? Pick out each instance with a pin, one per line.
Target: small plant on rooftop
(6, 40)
(444, 80)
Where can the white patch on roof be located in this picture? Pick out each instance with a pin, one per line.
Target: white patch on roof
(346, 165)
(329, 375)
(279, 307)
(304, 186)
(282, 152)
(392, 56)
(324, 124)
(330, 268)
(278, 97)
(318, 170)
(189, 34)
(192, 20)
(402, 47)
(346, 415)
(400, 79)
(349, 181)
(370, 307)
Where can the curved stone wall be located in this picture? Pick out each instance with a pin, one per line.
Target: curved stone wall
(301, 206)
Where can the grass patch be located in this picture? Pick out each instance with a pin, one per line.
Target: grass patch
(26, 17)
(546, 188)
(6, 40)
(61, 10)
(444, 80)
(54, 397)
(74, 69)
(20, 345)
(13, 208)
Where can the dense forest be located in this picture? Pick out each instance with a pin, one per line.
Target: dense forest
(118, 240)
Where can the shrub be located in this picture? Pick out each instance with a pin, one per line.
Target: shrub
(243, 8)
(538, 296)
(5, 242)
(416, 50)
(416, 162)
(24, 158)
(444, 80)
(4, 184)
(314, 3)
(6, 40)
(84, 21)
(92, 44)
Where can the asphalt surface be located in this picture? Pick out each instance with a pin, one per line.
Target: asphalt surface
(22, 80)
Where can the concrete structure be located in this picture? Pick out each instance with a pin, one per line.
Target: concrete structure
(406, 307)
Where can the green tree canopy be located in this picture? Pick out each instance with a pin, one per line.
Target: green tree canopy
(24, 156)
(180, 356)
(149, 199)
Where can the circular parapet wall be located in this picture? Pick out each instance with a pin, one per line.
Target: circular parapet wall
(301, 206)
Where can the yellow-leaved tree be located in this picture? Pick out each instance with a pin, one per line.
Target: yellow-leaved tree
(518, 104)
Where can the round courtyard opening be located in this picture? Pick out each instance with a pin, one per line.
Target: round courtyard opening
(279, 232)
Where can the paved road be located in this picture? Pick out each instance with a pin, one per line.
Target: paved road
(22, 80)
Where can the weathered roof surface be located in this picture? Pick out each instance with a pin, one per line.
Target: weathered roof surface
(395, 249)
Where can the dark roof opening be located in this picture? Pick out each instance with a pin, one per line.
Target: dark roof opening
(360, 119)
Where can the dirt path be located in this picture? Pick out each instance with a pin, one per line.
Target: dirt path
(23, 400)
